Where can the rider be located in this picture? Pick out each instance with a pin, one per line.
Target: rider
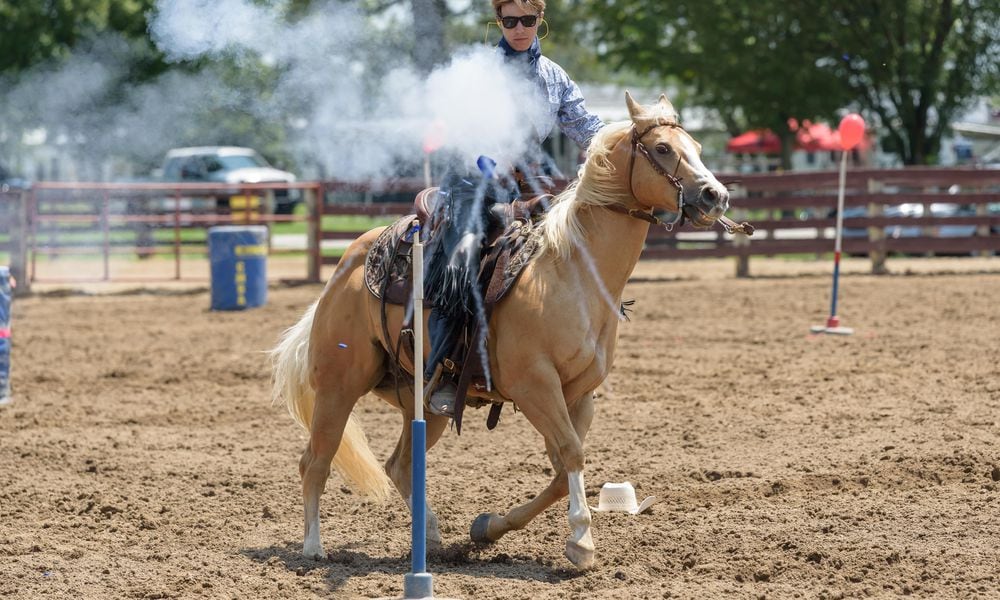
(519, 21)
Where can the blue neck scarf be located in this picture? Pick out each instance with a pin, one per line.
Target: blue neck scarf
(530, 56)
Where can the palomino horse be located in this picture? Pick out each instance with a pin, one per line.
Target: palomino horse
(551, 341)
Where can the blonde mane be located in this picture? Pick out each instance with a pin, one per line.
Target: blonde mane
(596, 185)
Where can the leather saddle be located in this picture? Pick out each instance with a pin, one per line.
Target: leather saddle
(389, 262)
(511, 242)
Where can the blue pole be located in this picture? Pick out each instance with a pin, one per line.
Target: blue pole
(834, 320)
(419, 430)
(418, 583)
(836, 280)
(5, 298)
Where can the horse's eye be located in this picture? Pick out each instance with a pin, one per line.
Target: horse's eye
(662, 149)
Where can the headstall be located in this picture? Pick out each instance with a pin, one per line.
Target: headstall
(640, 148)
(645, 213)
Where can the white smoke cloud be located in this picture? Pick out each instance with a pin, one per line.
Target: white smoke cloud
(186, 29)
(485, 106)
(76, 112)
(361, 125)
(348, 100)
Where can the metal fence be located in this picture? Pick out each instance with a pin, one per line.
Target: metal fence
(101, 222)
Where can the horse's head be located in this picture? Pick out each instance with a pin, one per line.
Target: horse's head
(664, 168)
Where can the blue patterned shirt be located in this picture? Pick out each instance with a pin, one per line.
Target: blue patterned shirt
(565, 101)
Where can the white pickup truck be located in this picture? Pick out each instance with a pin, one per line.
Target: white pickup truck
(228, 164)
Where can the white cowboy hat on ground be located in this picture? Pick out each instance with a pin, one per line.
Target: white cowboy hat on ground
(620, 497)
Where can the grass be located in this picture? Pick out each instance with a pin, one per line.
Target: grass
(332, 223)
(90, 235)
(90, 240)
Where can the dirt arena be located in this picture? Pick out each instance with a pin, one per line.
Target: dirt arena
(141, 457)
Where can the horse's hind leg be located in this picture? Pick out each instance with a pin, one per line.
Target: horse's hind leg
(339, 379)
(399, 465)
(490, 527)
(329, 419)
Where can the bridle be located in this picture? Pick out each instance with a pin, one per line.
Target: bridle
(638, 146)
(644, 213)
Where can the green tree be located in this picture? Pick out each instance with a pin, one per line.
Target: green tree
(915, 64)
(37, 37)
(567, 37)
(34, 32)
(437, 27)
(754, 63)
(911, 64)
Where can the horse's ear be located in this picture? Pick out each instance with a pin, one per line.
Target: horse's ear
(635, 110)
(666, 105)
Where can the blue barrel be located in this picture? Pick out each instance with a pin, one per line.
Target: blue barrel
(239, 266)
(5, 298)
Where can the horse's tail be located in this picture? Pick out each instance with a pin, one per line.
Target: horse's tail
(290, 384)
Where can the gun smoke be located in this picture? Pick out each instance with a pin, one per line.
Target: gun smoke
(342, 93)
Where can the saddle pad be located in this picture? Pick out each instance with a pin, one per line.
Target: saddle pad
(389, 262)
(531, 237)
(388, 266)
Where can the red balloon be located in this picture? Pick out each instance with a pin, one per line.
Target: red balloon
(851, 130)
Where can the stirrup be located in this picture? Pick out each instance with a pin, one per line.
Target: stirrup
(442, 402)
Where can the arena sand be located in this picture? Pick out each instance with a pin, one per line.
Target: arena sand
(141, 457)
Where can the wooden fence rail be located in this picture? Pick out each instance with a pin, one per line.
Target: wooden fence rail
(948, 211)
(794, 213)
(104, 220)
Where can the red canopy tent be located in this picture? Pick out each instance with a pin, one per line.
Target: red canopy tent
(758, 141)
(811, 137)
(814, 137)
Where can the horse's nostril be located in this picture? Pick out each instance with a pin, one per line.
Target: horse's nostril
(710, 195)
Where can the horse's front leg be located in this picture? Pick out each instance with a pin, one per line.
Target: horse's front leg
(580, 546)
(490, 527)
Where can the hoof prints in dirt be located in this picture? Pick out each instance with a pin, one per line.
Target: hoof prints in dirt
(151, 463)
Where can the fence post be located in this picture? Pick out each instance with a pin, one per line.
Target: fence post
(739, 240)
(106, 233)
(314, 237)
(982, 210)
(931, 230)
(19, 231)
(876, 235)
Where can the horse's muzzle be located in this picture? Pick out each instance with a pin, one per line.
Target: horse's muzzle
(707, 207)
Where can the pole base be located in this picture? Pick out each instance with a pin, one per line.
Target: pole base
(833, 330)
(832, 326)
(418, 585)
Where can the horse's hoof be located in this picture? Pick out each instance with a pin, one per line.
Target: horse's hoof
(479, 532)
(580, 556)
(433, 531)
(313, 552)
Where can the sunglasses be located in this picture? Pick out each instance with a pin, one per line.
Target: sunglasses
(511, 22)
